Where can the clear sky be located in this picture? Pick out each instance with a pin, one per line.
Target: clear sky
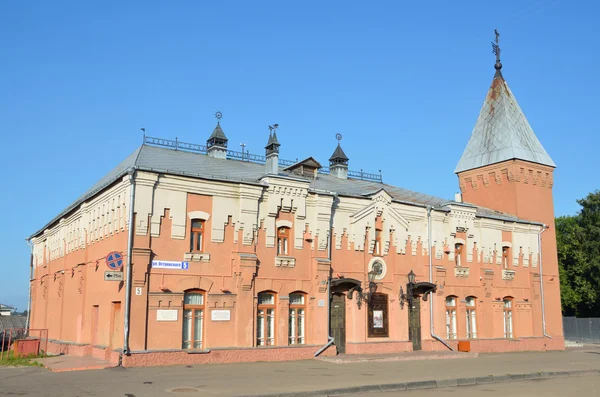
(402, 81)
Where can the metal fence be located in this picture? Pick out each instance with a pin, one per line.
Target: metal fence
(581, 329)
(8, 338)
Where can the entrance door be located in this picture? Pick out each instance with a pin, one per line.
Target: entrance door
(414, 323)
(338, 321)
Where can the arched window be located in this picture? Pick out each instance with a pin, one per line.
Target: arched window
(508, 318)
(265, 319)
(197, 236)
(296, 320)
(505, 256)
(458, 249)
(193, 319)
(377, 250)
(451, 317)
(471, 302)
(283, 235)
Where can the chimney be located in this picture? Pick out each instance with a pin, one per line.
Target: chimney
(338, 162)
(272, 151)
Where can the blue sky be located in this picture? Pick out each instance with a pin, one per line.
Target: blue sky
(402, 81)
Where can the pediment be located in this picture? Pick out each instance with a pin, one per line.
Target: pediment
(381, 205)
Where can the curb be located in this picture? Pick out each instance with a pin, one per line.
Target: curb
(434, 384)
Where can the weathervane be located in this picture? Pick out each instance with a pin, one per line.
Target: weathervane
(218, 116)
(496, 50)
(338, 136)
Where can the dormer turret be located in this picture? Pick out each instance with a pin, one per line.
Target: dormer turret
(272, 151)
(216, 145)
(338, 162)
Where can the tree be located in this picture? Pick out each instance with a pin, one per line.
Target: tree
(578, 244)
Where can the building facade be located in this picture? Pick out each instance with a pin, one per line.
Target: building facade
(196, 254)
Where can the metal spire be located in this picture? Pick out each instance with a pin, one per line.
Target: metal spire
(496, 50)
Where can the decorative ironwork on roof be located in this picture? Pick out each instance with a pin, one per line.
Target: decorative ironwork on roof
(248, 157)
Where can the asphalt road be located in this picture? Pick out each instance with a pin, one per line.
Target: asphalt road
(561, 387)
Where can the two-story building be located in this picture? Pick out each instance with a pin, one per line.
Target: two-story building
(189, 253)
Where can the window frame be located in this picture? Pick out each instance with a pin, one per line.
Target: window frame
(508, 314)
(294, 337)
(283, 241)
(505, 256)
(194, 309)
(378, 249)
(451, 324)
(458, 249)
(268, 340)
(471, 317)
(196, 232)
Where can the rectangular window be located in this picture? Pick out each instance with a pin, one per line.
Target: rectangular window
(265, 320)
(296, 320)
(196, 236)
(193, 320)
(283, 234)
(508, 319)
(458, 254)
(471, 319)
(451, 317)
(377, 250)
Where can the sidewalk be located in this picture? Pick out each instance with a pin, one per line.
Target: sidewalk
(300, 378)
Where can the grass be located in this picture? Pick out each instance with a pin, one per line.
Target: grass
(9, 360)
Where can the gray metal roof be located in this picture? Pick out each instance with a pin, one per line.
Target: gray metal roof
(501, 132)
(196, 165)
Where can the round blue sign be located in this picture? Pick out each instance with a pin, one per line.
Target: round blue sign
(114, 261)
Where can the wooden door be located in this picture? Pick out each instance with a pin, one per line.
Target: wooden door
(116, 337)
(338, 321)
(414, 322)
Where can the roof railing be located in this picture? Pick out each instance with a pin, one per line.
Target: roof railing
(248, 157)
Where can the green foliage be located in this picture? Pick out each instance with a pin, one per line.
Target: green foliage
(9, 359)
(578, 244)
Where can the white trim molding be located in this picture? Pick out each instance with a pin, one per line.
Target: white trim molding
(199, 215)
(283, 223)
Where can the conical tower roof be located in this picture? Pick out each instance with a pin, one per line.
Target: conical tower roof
(501, 132)
(338, 154)
(218, 133)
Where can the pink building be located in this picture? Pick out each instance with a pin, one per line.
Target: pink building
(187, 254)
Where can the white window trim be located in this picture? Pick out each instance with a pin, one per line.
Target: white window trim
(204, 216)
(283, 223)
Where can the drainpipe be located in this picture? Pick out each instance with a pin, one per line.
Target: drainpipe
(429, 246)
(330, 339)
(30, 280)
(131, 173)
(544, 228)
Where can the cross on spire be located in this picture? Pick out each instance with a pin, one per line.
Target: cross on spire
(496, 50)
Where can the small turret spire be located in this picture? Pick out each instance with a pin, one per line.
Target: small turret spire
(217, 142)
(338, 162)
(272, 151)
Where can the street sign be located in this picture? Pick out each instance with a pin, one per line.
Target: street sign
(170, 265)
(113, 276)
(114, 260)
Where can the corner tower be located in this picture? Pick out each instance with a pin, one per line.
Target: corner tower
(505, 168)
